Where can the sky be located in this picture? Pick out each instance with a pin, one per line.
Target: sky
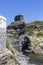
(31, 9)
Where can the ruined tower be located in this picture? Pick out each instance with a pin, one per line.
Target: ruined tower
(19, 20)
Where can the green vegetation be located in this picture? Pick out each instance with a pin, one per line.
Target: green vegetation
(10, 48)
(39, 27)
(38, 22)
(39, 34)
(31, 27)
(30, 31)
(7, 44)
(35, 23)
(16, 61)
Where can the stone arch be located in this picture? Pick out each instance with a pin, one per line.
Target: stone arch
(25, 42)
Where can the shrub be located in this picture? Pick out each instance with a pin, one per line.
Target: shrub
(8, 46)
(39, 34)
(30, 31)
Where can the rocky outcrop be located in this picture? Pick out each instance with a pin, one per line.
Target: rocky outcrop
(5, 57)
(30, 29)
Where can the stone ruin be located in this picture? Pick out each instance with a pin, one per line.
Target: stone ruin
(19, 20)
(18, 27)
